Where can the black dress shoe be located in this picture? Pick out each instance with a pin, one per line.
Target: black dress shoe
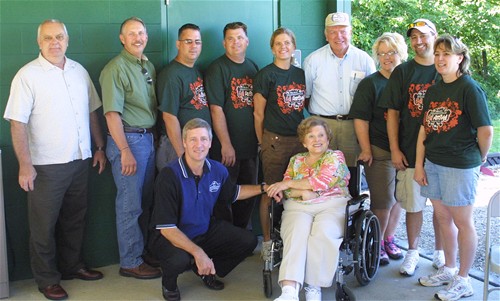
(211, 282)
(84, 274)
(54, 292)
(171, 295)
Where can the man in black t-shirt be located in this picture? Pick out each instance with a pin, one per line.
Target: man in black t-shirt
(181, 94)
(229, 84)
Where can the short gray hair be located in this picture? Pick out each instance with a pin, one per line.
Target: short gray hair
(51, 21)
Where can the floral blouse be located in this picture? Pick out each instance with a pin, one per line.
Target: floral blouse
(329, 176)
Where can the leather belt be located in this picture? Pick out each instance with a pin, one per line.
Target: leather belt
(128, 129)
(336, 117)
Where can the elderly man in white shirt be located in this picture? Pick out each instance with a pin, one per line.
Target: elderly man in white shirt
(333, 73)
(51, 109)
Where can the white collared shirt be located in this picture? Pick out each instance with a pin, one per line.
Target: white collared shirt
(55, 105)
(332, 81)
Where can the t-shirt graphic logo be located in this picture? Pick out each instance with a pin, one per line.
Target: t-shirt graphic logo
(291, 97)
(241, 92)
(199, 99)
(214, 186)
(416, 95)
(442, 116)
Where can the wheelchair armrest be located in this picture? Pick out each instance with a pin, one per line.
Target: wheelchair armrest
(357, 200)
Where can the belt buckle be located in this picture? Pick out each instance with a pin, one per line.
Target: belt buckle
(339, 117)
(143, 130)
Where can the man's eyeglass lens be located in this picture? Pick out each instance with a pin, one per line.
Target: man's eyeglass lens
(190, 42)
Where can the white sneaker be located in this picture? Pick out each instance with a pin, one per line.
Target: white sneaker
(438, 259)
(265, 252)
(313, 293)
(288, 293)
(442, 276)
(459, 287)
(410, 263)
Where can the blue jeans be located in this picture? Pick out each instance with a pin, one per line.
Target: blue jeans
(131, 192)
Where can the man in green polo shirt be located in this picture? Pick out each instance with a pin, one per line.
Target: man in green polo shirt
(129, 103)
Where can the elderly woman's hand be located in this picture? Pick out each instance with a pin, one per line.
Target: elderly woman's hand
(309, 195)
(276, 188)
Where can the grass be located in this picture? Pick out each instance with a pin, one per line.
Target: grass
(495, 146)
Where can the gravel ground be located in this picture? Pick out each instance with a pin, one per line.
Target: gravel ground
(487, 186)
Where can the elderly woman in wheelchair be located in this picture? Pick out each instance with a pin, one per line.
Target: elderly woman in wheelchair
(314, 194)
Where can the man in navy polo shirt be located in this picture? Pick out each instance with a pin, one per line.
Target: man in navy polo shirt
(186, 192)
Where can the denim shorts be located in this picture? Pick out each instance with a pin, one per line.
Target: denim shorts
(452, 186)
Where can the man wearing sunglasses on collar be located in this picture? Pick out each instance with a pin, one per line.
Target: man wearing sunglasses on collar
(181, 94)
(129, 103)
(403, 99)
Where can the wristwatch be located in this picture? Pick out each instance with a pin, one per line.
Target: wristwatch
(99, 148)
(262, 190)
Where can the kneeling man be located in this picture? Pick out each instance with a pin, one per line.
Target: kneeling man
(189, 236)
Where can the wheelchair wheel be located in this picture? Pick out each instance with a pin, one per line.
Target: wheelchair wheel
(343, 293)
(367, 250)
(268, 283)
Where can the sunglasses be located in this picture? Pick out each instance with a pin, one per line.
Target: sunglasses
(418, 24)
(149, 80)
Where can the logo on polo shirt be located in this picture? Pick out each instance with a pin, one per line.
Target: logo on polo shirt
(214, 186)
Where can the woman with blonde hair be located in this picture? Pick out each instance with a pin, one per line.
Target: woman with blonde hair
(389, 50)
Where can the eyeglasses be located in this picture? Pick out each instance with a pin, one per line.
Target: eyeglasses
(149, 80)
(387, 54)
(190, 42)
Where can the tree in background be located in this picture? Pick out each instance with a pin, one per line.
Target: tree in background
(476, 22)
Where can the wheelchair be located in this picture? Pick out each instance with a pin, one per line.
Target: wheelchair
(359, 250)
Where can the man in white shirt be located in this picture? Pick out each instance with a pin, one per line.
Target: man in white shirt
(333, 73)
(51, 107)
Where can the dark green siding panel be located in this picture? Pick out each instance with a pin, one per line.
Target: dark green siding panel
(75, 39)
(148, 10)
(18, 39)
(93, 63)
(29, 39)
(81, 12)
(307, 20)
(291, 12)
(16, 11)
(314, 13)
(11, 64)
(154, 38)
(12, 34)
(101, 38)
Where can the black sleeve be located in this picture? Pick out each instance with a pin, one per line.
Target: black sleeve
(168, 199)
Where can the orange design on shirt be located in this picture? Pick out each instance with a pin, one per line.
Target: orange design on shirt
(291, 97)
(442, 116)
(241, 92)
(199, 97)
(416, 94)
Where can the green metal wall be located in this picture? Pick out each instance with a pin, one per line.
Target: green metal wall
(93, 27)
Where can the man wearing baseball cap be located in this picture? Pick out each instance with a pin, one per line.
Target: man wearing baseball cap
(403, 98)
(333, 73)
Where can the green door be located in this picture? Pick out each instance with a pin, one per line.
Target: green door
(211, 16)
